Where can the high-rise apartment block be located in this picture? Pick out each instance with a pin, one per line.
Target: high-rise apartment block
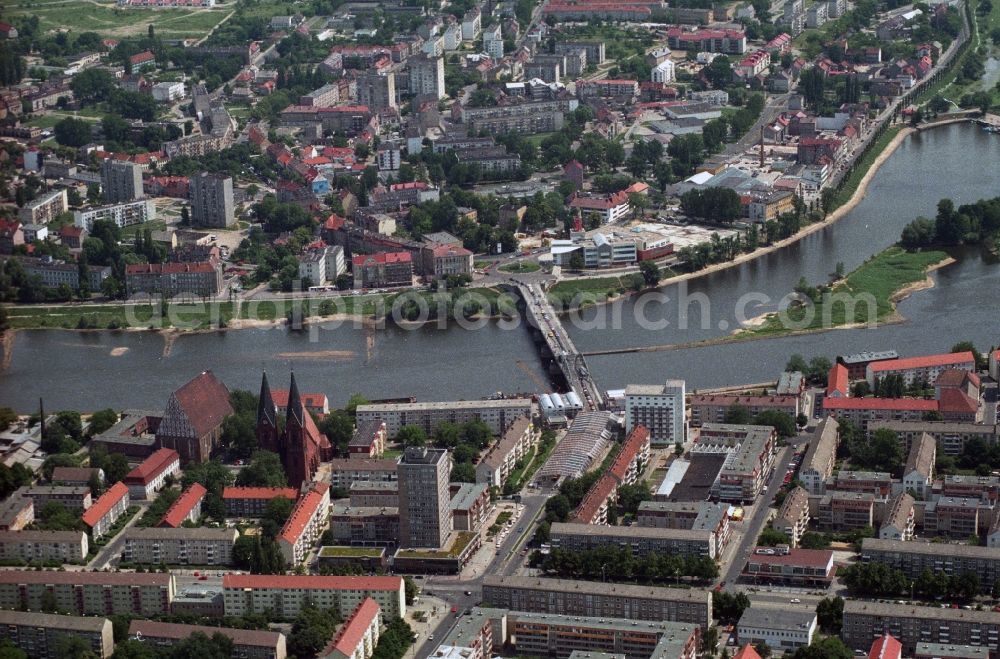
(377, 91)
(427, 76)
(212, 200)
(120, 181)
(424, 499)
(660, 408)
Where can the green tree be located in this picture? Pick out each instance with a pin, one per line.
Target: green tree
(739, 414)
(410, 435)
(72, 646)
(72, 132)
(265, 470)
(826, 647)
(769, 537)
(101, 421)
(780, 421)
(830, 615)
(650, 272)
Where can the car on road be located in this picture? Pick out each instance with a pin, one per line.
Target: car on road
(795, 600)
(468, 592)
(454, 609)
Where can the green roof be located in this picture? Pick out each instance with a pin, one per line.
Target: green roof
(361, 552)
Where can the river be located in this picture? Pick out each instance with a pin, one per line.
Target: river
(79, 370)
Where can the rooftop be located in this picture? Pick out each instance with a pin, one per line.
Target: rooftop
(105, 503)
(185, 503)
(52, 620)
(310, 582)
(87, 578)
(598, 588)
(351, 633)
(153, 466)
(244, 637)
(925, 361)
(791, 618)
(932, 613)
(796, 557)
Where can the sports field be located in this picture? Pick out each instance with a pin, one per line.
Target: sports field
(107, 19)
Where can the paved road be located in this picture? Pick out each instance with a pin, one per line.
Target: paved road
(111, 553)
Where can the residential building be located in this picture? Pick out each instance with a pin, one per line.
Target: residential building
(553, 635)
(368, 440)
(863, 412)
(212, 200)
(358, 636)
(684, 542)
(43, 546)
(187, 507)
(120, 181)
(78, 476)
(425, 511)
(797, 567)
(527, 117)
(842, 510)
(664, 72)
(365, 525)
(343, 472)
(924, 369)
(712, 408)
(496, 465)
(749, 461)
(88, 593)
(322, 266)
(441, 261)
(39, 635)
(369, 494)
(782, 628)
(688, 515)
(950, 437)
(793, 516)
(123, 214)
(878, 483)
(912, 558)
(16, 512)
(382, 270)
(949, 651)
(470, 506)
(857, 364)
(251, 501)
(427, 76)
(43, 209)
(54, 273)
(660, 409)
(306, 523)
(75, 498)
(472, 24)
(179, 546)
(150, 476)
(727, 42)
(202, 279)
(912, 624)
(608, 208)
(167, 92)
(956, 517)
(918, 473)
(192, 421)
(821, 456)
(111, 505)
(898, 522)
(597, 599)
(286, 595)
(497, 414)
(377, 91)
(247, 643)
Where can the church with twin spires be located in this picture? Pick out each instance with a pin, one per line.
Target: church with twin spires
(300, 444)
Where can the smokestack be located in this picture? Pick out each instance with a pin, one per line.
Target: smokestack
(762, 147)
(41, 415)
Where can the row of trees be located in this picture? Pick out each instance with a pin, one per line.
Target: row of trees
(968, 224)
(465, 441)
(620, 564)
(881, 580)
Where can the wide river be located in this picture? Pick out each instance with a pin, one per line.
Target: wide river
(104, 369)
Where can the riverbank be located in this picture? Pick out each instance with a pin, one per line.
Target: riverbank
(607, 290)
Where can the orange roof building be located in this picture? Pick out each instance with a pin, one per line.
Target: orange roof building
(356, 638)
(287, 594)
(187, 507)
(308, 520)
(107, 509)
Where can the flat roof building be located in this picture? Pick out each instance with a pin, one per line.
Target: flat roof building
(912, 624)
(497, 414)
(286, 594)
(247, 643)
(38, 634)
(783, 629)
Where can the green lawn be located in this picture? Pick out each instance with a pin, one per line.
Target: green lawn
(585, 291)
(361, 552)
(116, 316)
(881, 277)
(521, 266)
(106, 18)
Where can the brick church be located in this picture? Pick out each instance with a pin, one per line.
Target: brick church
(300, 444)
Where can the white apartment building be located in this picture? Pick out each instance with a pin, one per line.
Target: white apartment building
(664, 72)
(285, 595)
(62, 546)
(166, 92)
(180, 546)
(123, 215)
(660, 408)
(306, 523)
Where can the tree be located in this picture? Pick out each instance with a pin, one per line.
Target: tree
(739, 414)
(101, 421)
(770, 537)
(411, 435)
(265, 470)
(115, 468)
(830, 615)
(412, 589)
(780, 421)
(827, 647)
(312, 630)
(201, 646)
(277, 511)
(338, 426)
(968, 346)
(918, 234)
(239, 432)
(797, 363)
(72, 132)
(9, 651)
(72, 647)
(729, 607)
(650, 272)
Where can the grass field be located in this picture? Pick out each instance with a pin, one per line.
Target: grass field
(111, 316)
(881, 278)
(580, 292)
(109, 20)
(521, 266)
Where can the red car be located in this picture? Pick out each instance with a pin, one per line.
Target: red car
(454, 609)
(203, 577)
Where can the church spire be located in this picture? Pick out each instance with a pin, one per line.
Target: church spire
(265, 406)
(295, 410)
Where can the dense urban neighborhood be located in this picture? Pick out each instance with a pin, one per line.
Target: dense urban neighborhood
(374, 182)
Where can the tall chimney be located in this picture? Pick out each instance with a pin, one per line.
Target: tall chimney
(41, 415)
(762, 147)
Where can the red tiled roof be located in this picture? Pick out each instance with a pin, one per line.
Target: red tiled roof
(924, 361)
(144, 56)
(630, 449)
(898, 404)
(289, 493)
(71, 230)
(803, 557)
(732, 399)
(280, 397)
(956, 377)
(302, 513)
(383, 257)
(450, 250)
(152, 466)
(412, 185)
(352, 632)
(205, 401)
(105, 503)
(748, 652)
(181, 508)
(308, 582)
(836, 380)
(886, 647)
(957, 401)
(602, 490)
